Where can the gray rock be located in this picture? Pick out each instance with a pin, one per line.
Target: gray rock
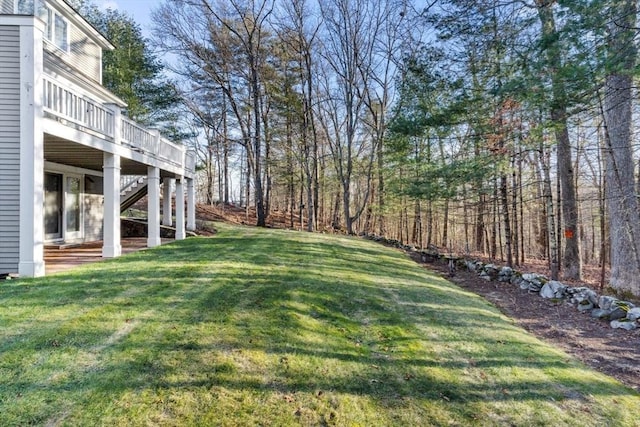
(585, 305)
(633, 314)
(507, 271)
(625, 305)
(484, 276)
(617, 313)
(600, 313)
(490, 267)
(593, 297)
(624, 324)
(606, 302)
(471, 266)
(491, 270)
(535, 286)
(553, 290)
(573, 290)
(505, 274)
(582, 294)
(533, 282)
(533, 277)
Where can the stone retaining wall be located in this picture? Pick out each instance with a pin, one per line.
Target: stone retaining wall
(619, 313)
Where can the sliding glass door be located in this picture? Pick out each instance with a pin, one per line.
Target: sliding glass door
(52, 206)
(62, 207)
(72, 208)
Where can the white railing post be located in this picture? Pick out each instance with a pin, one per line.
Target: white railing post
(155, 146)
(180, 231)
(191, 205)
(190, 161)
(116, 126)
(153, 208)
(167, 189)
(111, 247)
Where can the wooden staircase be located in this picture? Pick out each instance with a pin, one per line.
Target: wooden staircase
(133, 188)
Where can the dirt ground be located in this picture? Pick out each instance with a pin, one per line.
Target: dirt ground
(614, 352)
(238, 215)
(611, 351)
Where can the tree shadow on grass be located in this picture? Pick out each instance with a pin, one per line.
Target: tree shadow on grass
(237, 314)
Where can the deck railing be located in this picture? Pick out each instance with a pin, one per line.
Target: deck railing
(77, 109)
(190, 161)
(137, 136)
(81, 111)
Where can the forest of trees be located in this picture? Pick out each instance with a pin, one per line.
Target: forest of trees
(502, 128)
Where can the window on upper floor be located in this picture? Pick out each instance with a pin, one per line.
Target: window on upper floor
(57, 30)
(29, 7)
(56, 26)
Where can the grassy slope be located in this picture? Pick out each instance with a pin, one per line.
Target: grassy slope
(278, 328)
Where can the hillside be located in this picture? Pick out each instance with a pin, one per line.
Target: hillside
(261, 326)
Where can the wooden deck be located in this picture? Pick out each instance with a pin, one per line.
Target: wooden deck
(66, 258)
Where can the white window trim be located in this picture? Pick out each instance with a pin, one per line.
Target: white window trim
(68, 235)
(65, 172)
(54, 14)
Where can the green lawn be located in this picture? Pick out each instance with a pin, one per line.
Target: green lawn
(265, 327)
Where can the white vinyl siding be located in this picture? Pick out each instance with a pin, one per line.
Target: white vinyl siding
(6, 6)
(9, 148)
(71, 45)
(85, 54)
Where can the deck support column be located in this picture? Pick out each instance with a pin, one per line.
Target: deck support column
(111, 241)
(167, 187)
(180, 231)
(153, 208)
(191, 205)
(31, 222)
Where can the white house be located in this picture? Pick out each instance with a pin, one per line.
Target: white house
(64, 145)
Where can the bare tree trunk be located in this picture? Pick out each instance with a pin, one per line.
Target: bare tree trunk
(247, 189)
(522, 252)
(225, 149)
(465, 215)
(219, 171)
(445, 224)
(571, 263)
(621, 197)
(417, 224)
(405, 222)
(494, 229)
(382, 230)
(290, 178)
(558, 222)
(504, 196)
(551, 227)
(514, 209)
(602, 211)
(301, 202)
(335, 217)
(480, 226)
(210, 177)
(429, 223)
(540, 222)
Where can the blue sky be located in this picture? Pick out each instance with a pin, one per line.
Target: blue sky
(140, 10)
